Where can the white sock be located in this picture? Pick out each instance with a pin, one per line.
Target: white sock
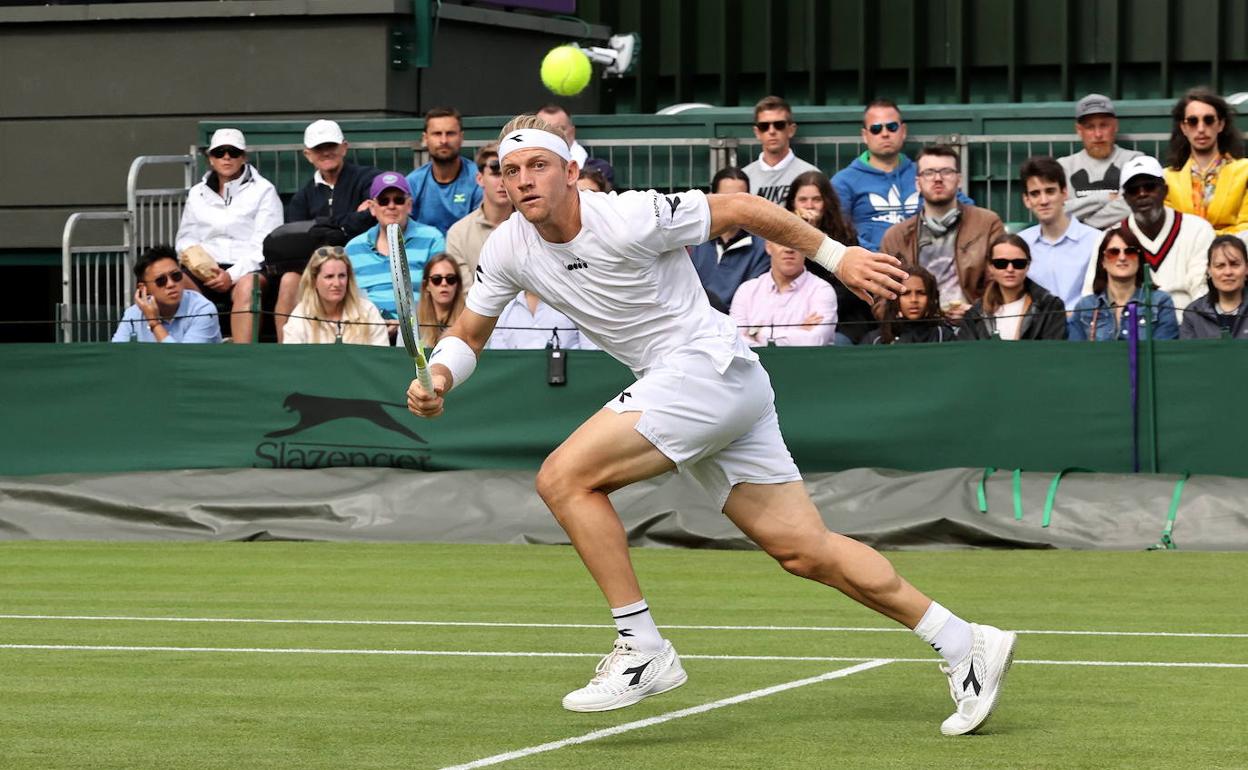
(948, 634)
(633, 622)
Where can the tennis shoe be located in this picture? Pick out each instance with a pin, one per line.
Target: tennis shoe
(975, 682)
(626, 675)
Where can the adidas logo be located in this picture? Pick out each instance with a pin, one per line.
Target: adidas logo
(577, 264)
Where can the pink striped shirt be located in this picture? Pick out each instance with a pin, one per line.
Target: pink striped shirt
(758, 304)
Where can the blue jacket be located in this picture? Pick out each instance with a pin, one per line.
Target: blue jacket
(442, 205)
(746, 259)
(1096, 308)
(372, 268)
(876, 200)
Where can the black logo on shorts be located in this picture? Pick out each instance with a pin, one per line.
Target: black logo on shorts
(673, 201)
(624, 395)
(577, 264)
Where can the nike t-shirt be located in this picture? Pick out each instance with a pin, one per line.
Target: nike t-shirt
(625, 280)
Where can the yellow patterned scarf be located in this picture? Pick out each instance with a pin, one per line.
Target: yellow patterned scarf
(1203, 184)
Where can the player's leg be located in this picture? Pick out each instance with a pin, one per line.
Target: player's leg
(287, 298)
(602, 455)
(784, 521)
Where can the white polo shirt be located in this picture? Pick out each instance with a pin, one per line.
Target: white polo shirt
(625, 280)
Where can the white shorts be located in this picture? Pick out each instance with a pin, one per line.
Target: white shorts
(721, 429)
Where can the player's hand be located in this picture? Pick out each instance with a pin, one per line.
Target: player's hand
(220, 282)
(421, 402)
(871, 275)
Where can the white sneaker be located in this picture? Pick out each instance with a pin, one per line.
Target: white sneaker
(625, 676)
(975, 683)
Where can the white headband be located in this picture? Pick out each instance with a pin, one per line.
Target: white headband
(530, 139)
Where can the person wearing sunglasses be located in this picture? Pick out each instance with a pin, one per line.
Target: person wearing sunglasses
(466, 237)
(1222, 311)
(163, 311)
(776, 167)
(949, 238)
(330, 307)
(877, 189)
(1119, 281)
(1207, 174)
(1094, 172)
(228, 214)
(441, 298)
(1175, 245)
(390, 200)
(1013, 307)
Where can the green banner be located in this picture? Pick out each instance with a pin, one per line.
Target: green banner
(1040, 406)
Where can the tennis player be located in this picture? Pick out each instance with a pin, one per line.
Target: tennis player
(702, 404)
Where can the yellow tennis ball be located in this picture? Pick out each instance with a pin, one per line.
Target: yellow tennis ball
(566, 70)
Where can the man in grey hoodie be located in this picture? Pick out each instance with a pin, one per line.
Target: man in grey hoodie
(1094, 172)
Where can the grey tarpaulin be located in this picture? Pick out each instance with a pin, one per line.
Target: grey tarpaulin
(889, 509)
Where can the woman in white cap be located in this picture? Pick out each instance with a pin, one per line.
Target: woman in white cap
(227, 216)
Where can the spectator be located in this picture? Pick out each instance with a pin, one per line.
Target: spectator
(1222, 311)
(227, 215)
(1208, 174)
(777, 166)
(1013, 307)
(163, 311)
(812, 198)
(1060, 244)
(593, 180)
(527, 323)
(877, 189)
(915, 316)
(466, 237)
(557, 116)
(1176, 245)
(337, 195)
(330, 307)
(441, 298)
(726, 262)
(369, 252)
(444, 190)
(786, 306)
(1094, 173)
(949, 238)
(1119, 281)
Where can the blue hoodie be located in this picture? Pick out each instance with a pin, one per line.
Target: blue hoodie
(876, 200)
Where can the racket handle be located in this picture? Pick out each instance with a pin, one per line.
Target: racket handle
(422, 374)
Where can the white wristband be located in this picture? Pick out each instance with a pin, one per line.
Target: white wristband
(829, 254)
(455, 355)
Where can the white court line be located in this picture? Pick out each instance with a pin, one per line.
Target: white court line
(516, 654)
(494, 624)
(671, 715)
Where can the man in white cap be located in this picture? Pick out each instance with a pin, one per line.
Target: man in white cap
(336, 195)
(1093, 174)
(1176, 245)
(616, 265)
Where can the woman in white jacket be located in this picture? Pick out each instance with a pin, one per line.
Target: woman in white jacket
(228, 215)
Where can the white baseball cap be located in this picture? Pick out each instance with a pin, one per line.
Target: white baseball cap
(1141, 165)
(227, 137)
(322, 132)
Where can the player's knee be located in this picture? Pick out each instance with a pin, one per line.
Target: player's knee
(553, 482)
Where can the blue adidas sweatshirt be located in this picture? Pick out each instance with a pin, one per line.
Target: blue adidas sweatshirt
(876, 200)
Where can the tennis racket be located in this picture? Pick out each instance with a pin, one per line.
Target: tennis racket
(401, 276)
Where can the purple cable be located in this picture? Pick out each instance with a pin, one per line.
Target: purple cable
(1130, 315)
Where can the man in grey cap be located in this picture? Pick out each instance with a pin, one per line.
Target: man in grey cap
(1093, 173)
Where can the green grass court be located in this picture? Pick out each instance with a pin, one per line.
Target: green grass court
(88, 685)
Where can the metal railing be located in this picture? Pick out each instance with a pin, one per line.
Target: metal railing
(156, 212)
(97, 280)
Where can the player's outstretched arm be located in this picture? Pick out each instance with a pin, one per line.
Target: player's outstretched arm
(451, 362)
(867, 274)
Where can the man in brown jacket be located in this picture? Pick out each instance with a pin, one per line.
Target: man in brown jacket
(948, 238)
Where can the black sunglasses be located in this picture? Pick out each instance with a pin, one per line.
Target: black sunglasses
(162, 280)
(1142, 187)
(763, 125)
(891, 125)
(1114, 251)
(450, 280)
(221, 152)
(386, 200)
(1017, 264)
(1195, 120)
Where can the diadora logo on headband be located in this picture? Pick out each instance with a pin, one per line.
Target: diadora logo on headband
(528, 139)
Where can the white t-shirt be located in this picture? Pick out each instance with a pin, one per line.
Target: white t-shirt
(625, 280)
(1009, 318)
